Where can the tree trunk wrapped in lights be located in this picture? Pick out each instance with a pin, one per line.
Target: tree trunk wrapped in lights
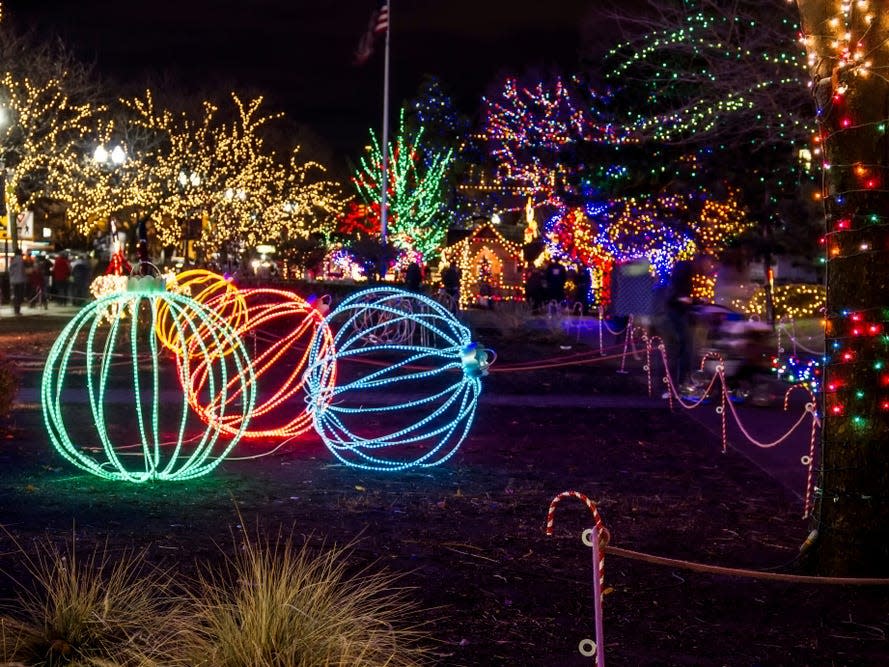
(849, 63)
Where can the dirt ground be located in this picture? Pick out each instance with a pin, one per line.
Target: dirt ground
(469, 537)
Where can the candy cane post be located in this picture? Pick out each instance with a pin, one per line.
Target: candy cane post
(597, 538)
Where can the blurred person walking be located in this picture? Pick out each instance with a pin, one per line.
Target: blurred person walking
(413, 277)
(80, 274)
(554, 281)
(678, 311)
(450, 286)
(61, 279)
(37, 281)
(679, 305)
(17, 280)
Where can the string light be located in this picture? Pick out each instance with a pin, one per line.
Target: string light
(842, 48)
(504, 260)
(791, 301)
(278, 327)
(411, 362)
(173, 444)
(210, 290)
(416, 178)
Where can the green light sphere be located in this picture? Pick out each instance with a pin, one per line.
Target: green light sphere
(112, 395)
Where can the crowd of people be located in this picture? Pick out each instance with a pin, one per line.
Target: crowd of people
(38, 279)
(554, 283)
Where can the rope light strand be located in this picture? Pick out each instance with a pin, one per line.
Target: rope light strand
(90, 331)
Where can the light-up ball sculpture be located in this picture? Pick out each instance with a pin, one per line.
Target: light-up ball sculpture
(396, 404)
(278, 330)
(112, 395)
(209, 289)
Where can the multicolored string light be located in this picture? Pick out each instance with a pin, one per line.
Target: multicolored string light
(848, 60)
(415, 195)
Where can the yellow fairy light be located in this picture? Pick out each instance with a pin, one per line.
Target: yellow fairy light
(794, 301)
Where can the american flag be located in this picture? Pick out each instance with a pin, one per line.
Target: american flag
(379, 23)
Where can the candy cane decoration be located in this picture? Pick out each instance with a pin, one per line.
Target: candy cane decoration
(597, 538)
(807, 460)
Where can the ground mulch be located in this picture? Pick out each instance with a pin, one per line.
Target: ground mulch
(468, 536)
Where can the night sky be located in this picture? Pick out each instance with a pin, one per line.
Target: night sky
(300, 54)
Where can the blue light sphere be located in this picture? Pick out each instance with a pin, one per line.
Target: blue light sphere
(408, 378)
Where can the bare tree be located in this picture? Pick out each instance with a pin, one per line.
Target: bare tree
(712, 70)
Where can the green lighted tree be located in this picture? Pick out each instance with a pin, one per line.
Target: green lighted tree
(414, 189)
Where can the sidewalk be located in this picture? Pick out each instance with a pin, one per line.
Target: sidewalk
(53, 310)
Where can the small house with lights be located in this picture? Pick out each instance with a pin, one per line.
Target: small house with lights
(491, 267)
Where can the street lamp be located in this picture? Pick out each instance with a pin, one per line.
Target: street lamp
(115, 158)
(110, 161)
(187, 179)
(5, 208)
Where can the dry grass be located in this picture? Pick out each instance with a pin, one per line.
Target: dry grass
(278, 605)
(272, 605)
(93, 612)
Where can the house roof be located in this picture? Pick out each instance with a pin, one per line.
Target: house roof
(487, 231)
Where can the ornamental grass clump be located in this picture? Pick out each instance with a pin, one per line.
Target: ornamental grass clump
(105, 610)
(278, 605)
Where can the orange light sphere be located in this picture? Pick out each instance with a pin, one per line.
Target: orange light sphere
(209, 289)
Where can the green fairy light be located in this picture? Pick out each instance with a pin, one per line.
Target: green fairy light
(131, 437)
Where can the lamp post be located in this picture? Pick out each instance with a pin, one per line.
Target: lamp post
(5, 208)
(187, 180)
(111, 161)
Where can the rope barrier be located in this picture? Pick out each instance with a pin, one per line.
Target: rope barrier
(741, 572)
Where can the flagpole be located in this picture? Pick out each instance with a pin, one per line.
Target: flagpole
(385, 147)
